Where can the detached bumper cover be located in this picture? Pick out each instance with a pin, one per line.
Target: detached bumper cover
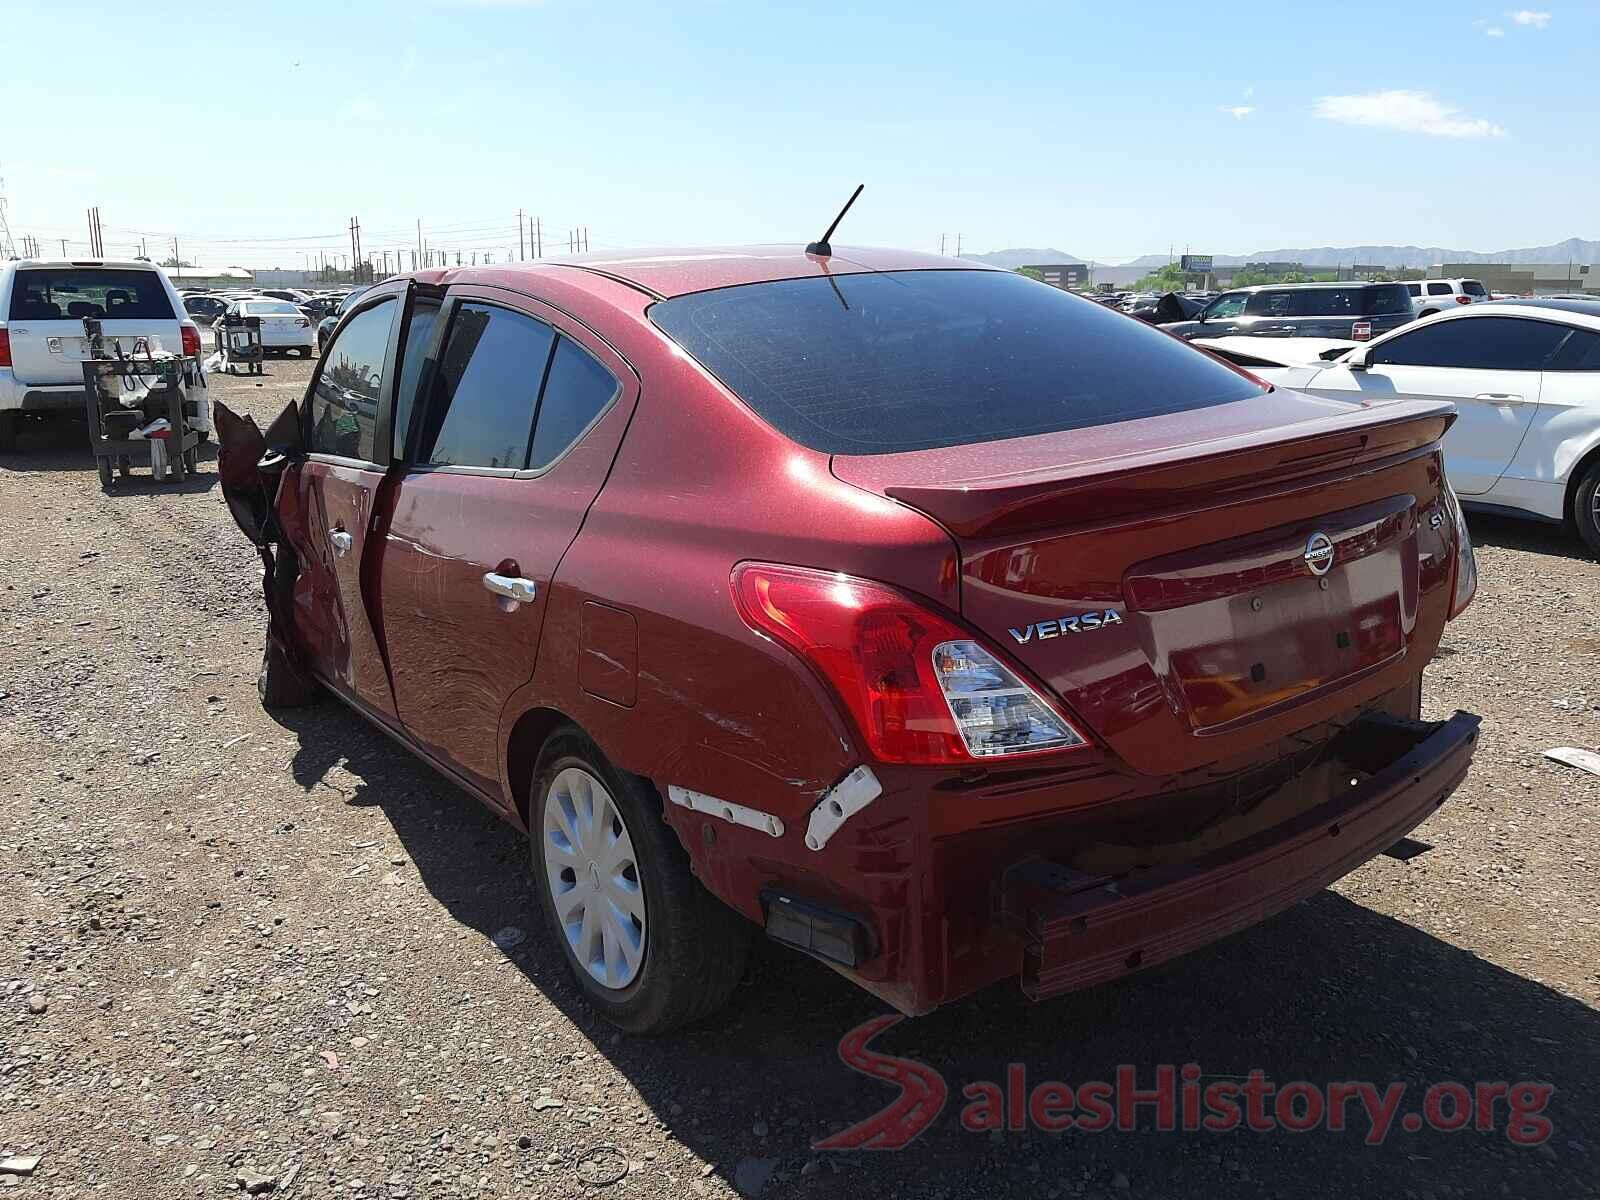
(1083, 930)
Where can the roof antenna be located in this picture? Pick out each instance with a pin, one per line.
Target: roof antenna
(822, 247)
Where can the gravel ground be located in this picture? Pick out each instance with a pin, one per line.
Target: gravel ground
(248, 951)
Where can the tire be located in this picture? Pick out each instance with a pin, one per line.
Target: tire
(8, 432)
(1427, 312)
(282, 684)
(1585, 515)
(691, 947)
(102, 467)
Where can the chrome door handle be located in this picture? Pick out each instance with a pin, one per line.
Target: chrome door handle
(1508, 397)
(342, 542)
(512, 587)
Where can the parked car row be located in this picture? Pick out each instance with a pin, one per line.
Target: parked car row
(290, 316)
(1524, 376)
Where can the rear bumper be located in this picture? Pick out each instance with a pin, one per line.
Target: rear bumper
(1082, 930)
(23, 398)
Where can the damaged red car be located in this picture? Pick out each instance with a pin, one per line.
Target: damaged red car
(945, 626)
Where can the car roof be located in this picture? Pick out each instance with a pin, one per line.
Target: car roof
(668, 272)
(119, 264)
(1583, 314)
(1582, 308)
(1292, 287)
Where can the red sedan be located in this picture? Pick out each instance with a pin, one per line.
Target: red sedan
(944, 625)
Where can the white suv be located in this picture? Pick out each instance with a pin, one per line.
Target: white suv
(1429, 296)
(42, 347)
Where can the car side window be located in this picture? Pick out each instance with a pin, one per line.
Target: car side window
(577, 390)
(486, 389)
(344, 403)
(1414, 289)
(418, 334)
(1438, 289)
(1230, 305)
(1274, 304)
(1581, 353)
(1484, 344)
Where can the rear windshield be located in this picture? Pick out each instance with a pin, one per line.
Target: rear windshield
(269, 308)
(57, 293)
(912, 360)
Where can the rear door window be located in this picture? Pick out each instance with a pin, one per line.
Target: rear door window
(1580, 353)
(1473, 288)
(1414, 289)
(1438, 289)
(344, 402)
(577, 391)
(1331, 302)
(1385, 301)
(72, 293)
(486, 389)
(1274, 304)
(1483, 344)
(879, 362)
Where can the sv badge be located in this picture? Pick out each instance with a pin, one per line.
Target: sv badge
(1082, 623)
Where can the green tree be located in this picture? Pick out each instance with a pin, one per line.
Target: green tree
(1169, 278)
(1031, 273)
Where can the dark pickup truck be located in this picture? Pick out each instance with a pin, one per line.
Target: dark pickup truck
(1332, 310)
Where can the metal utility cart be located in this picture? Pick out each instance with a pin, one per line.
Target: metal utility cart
(241, 343)
(107, 377)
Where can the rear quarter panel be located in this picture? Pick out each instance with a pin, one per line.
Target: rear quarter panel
(699, 485)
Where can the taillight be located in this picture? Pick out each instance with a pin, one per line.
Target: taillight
(191, 341)
(919, 687)
(1463, 299)
(5, 347)
(1360, 331)
(1466, 580)
(302, 323)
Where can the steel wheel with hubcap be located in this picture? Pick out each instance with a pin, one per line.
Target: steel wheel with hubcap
(648, 944)
(593, 878)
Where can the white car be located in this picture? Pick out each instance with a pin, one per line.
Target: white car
(1430, 296)
(292, 295)
(283, 326)
(1242, 350)
(1524, 376)
(42, 347)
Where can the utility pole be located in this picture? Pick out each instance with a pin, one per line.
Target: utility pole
(941, 243)
(355, 247)
(520, 245)
(586, 239)
(177, 262)
(958, 245)
(538, 238)
(419, 244)
(63, 247)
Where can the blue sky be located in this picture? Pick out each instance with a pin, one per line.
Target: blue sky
(1106, 130)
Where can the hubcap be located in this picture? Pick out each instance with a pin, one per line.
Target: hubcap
(593, 878)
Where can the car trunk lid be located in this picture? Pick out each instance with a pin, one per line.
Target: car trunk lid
(1189, 583)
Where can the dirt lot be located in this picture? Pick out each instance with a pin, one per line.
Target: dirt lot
(264, 946)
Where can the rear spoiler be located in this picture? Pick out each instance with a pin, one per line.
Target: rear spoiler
(1148, 482)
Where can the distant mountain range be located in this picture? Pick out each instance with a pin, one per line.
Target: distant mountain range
(1576, 250)
(1025, 256)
